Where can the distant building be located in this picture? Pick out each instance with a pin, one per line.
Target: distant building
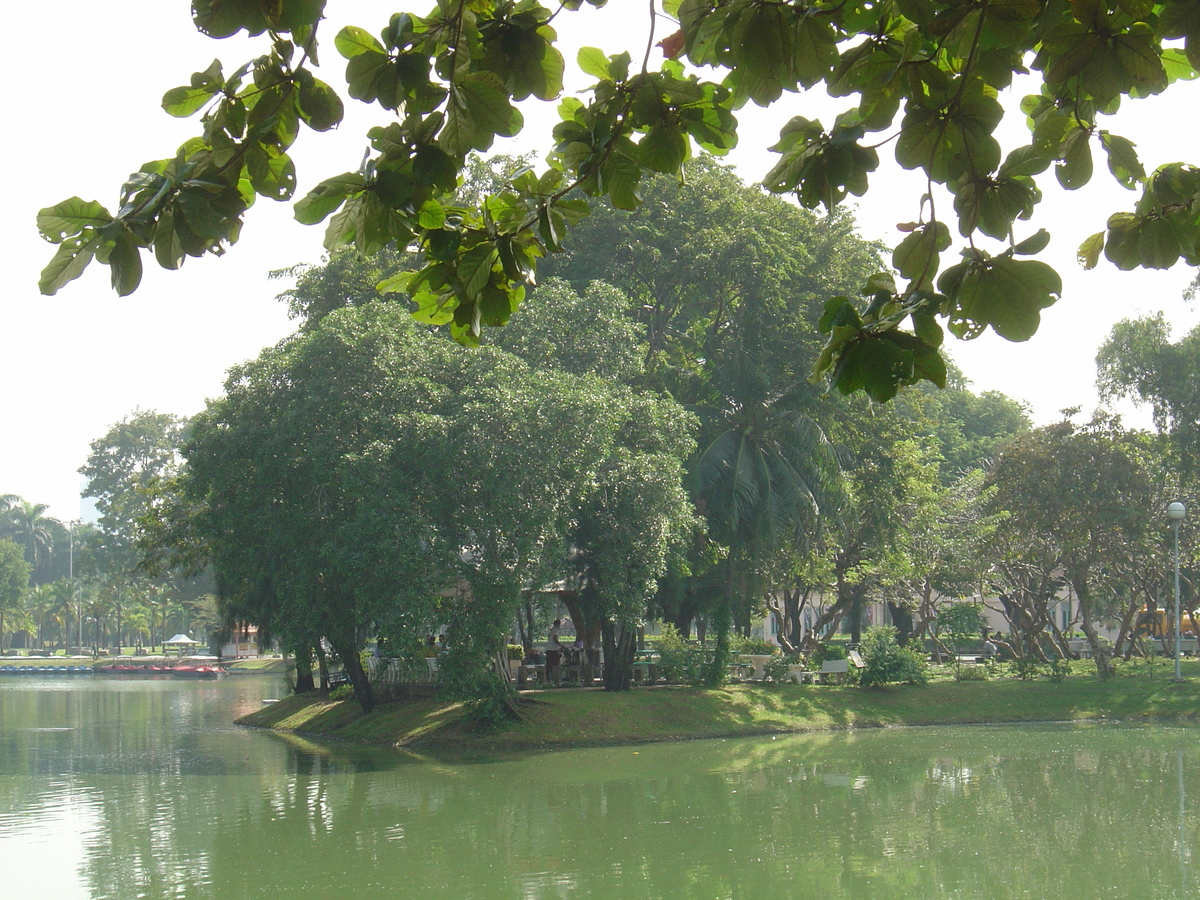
(242, 643)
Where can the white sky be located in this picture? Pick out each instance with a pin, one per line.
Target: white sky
(82, 113)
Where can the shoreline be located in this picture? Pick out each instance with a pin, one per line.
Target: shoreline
(566, 719)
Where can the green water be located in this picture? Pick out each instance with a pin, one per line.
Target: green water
(141, 789)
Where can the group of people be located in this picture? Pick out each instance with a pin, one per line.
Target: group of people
(557, 652)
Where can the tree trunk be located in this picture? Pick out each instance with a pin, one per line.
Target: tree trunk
(619, 644)
(364, 691)
(304, 670)
(683, 617)
(857, 610)
(717, 668)
(1124, 633)
(1104, 666)
(1060, 642)
(902, 618)
(779, 616)
(322, 666)
(787, 617)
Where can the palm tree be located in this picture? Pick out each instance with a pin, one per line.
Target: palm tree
(40, 600)
(65, 610)
(768, 482)
(30, 529)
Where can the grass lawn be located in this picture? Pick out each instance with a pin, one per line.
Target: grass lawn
(571, 718)
(260, 665)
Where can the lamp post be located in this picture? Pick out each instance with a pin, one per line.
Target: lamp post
(71, 581)
(1176, 511)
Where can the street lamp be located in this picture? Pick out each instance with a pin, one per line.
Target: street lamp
(1176, 511)
(71, 582)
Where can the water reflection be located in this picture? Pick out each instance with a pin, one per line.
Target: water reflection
(150, 793)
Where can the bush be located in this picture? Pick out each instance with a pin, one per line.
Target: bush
(756, 646)
(1059, 670)
(1026, 668)
(776, 668)
(886, 661)
(516, 651)
(342, 692)
(678, 663)
(971, 673)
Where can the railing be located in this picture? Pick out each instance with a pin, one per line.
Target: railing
(396, 671)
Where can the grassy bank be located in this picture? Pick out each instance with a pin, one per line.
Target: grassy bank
(573, 718)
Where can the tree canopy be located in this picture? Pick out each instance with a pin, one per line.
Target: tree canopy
(923, 76)
(1139, 361)
(1082, 508)
(367, 475)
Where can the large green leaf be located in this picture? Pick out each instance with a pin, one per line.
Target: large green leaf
(1074, 169)
(319, 105)
(223, 18)
(1003, 293)
(327, 197)
(916, 257)
(1123, 160)
(371, 76)
(475, 268)
(68, 263)
(70, 217)
(353, 41)
(181, 102)
(664, 148)
(594, 62)
(272, 172)
(1089, 251)
(124, 263)
(477, 109)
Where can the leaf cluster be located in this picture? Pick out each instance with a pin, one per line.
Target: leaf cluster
(923, 76)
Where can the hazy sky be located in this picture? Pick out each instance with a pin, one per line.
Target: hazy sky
(85, 81)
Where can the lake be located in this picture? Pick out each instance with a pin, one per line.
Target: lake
(115, 788)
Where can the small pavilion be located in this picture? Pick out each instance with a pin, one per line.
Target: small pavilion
(179, 644)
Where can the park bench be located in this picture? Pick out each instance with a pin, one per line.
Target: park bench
(832, 671)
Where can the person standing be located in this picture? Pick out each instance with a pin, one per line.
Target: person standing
(553, 650)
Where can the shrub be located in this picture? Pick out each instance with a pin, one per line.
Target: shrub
(971, 673)
(886, 661)
(756, 646)
(1059, 670)
(516, 651)
(776, 668)
(342, 692)
(678, 663)
(1026, 668)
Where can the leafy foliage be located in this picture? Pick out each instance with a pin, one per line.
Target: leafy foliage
(1081, 504)
(888, 662)
(678, 663)
(369, 475)
(1139, 361)
(14, 579)
(924, 77)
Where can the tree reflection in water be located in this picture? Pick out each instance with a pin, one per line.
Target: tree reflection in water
(167, 800)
